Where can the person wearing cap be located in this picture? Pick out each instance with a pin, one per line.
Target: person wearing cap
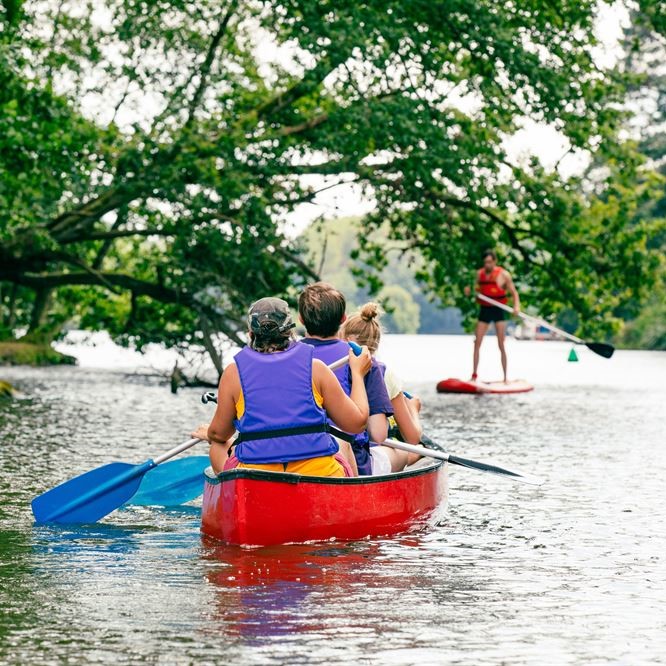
(279, 398)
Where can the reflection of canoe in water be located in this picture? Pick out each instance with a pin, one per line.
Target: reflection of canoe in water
(462, 386)
(256, 508)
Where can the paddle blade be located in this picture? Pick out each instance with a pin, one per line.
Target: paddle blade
(172, 483)
(494, 469)
(90, 496)
(601, 348)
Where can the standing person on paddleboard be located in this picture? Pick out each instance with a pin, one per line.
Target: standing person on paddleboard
(496, 283)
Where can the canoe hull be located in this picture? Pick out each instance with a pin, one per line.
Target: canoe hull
(453, 385)
(253, 508)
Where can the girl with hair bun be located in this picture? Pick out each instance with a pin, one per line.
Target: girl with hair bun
(364, 328)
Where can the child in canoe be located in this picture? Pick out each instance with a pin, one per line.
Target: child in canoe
(279, 397)
(321, 309)
(364, 328)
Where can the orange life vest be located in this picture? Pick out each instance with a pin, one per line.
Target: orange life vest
(488, 286)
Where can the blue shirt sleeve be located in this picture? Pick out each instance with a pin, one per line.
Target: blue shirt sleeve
(378, 398)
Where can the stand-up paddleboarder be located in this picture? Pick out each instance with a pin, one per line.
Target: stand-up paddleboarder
(496, 283)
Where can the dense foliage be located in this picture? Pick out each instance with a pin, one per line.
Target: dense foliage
(646, 59)
(149, 152)
(328, 244)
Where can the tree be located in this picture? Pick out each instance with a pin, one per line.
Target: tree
(645, 47)
(403, 313)
(151, 149)
(327, 245)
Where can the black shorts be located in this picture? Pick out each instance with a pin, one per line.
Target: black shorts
(491, 313)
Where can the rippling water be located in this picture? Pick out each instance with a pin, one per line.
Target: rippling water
(572, 572)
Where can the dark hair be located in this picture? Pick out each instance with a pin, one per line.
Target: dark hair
(489, 253)
(270, 339)
(322, 308)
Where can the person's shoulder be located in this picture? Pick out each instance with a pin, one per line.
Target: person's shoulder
(319, 369)
(231, 370)
(318, 364)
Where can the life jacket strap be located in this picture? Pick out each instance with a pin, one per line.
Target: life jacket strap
(300, 430)
(340, 434)
(283, 432)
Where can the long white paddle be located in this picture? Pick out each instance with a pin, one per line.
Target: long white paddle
(600, 348)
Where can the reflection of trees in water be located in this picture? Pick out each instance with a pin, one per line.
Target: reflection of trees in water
(17, 599)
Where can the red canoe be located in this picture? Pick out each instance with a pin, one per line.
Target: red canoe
(462, 386)
(255, 508)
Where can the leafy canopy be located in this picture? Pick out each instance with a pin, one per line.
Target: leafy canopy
(152, 150)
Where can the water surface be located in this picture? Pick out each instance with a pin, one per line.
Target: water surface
(572, 572)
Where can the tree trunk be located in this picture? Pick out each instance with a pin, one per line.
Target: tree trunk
(213, 352)
(11, 314)
(37, 333)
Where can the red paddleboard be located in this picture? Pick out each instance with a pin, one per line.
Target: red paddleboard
(462, 386)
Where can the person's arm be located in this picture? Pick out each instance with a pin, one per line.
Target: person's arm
(514, 292)
(477, 287)
(350, 413)
(380, 405)
(407, 419)
(222, 426)
(378, 427)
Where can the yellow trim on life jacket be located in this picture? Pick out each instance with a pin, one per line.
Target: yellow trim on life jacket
(322, 466)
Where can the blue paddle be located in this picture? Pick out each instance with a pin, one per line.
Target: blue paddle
(93, 495)
(172, 484)
(181, 481)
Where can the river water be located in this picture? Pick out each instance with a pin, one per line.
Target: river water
(572, 572)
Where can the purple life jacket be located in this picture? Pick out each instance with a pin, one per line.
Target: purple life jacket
(329, 351)
(282, 422)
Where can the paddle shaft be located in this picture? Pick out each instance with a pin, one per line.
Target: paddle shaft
(176, 450)
(527, 317)
(463, 462)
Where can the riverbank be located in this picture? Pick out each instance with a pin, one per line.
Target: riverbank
(26, 353)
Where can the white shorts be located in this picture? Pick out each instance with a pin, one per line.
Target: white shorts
(381, 463)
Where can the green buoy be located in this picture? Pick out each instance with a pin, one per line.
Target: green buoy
(573, 357)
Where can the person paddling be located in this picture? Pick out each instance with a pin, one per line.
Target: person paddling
(321, 308)
(496, 283)
(279, 397)
(364, 329)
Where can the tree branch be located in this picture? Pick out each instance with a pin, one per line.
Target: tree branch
(120, 233)
(205, 68)
(312, 79)
(141, 287)
(67, 224)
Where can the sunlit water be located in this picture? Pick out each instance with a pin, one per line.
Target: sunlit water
(573, 572)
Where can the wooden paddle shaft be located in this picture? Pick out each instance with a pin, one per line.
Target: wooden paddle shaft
(527, 317)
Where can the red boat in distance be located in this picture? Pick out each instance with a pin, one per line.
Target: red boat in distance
(248, 507)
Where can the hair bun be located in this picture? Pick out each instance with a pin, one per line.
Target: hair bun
(370, 311)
